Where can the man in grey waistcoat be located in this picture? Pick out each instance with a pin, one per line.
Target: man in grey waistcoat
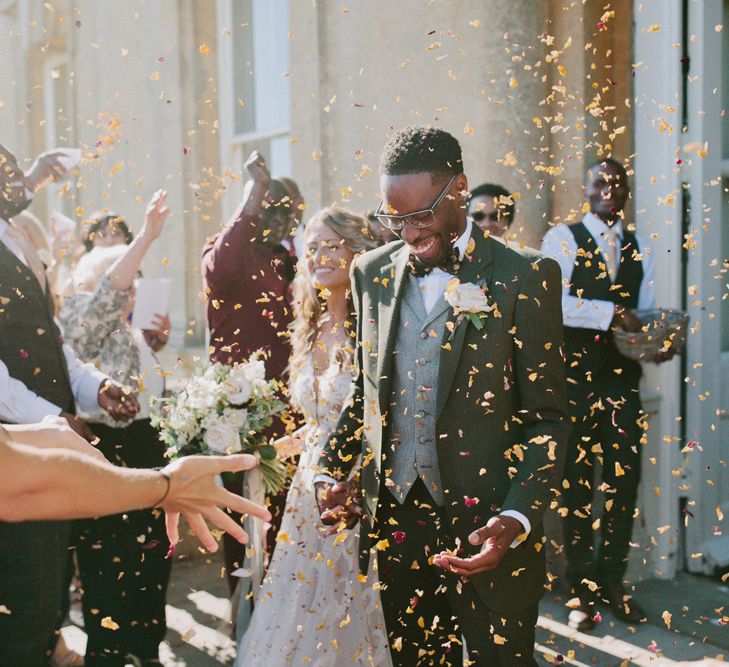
(39, 377)
(458, 418)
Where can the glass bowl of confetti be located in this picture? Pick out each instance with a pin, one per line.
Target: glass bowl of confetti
(663, 330)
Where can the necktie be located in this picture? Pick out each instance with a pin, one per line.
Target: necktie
(611, 256)
(451, 264)
(30, 254)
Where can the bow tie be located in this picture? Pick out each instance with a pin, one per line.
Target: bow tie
(450, 264)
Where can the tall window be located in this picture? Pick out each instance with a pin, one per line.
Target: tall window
(725, 198)
(255, 97)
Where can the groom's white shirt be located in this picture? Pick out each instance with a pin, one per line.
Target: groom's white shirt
(432, 287)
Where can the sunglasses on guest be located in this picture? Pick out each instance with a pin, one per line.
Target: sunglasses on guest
(494, 216)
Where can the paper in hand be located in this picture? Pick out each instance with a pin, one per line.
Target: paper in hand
(69, 157)
(152, 298)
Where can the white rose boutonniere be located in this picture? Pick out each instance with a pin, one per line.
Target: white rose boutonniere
(469, 301)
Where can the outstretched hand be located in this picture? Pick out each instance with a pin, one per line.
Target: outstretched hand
(338, 505)
(257, 169)
(154, 216)
(194, 494)
(496, 537)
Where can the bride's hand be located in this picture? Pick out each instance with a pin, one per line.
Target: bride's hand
(338, 505)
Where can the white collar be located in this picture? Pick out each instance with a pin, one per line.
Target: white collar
(4, 224)
(598, 227)
(461, 243)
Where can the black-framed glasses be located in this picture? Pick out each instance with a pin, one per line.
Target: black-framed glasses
(480, 216)
(417, 219)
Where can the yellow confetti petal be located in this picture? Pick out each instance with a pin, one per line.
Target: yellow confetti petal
(109, 623)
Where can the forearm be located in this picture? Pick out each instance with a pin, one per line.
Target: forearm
(50, 484)
(237, 245)
(587, 313)
(124, 271)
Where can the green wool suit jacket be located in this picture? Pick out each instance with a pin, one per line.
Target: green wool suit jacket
(501, 412)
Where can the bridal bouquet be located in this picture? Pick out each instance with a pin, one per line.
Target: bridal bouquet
(223, 410)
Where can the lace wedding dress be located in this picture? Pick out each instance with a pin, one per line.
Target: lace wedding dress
(313, 607)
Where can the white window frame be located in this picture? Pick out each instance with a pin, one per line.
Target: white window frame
(50, 105)
(233, 147)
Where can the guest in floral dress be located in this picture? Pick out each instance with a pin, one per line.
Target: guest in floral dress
(121, 558)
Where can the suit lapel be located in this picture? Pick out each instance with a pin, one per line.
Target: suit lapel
(475, 269)
(392, 282)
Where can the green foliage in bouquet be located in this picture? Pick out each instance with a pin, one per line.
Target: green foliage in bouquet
(223, 410)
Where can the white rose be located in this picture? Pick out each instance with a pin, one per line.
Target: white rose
(235, 417)
(222, 438)
(238, 387)
(466, 297)
(255, 370)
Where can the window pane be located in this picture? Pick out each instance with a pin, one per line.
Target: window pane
(280, 156)
(260, 57)
(725, 81)
(725, 269)
(270, 61)
(244, 103)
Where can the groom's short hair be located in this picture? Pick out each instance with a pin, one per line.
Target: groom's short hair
(420, 149)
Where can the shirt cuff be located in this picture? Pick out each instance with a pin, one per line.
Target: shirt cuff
(523, 521)
(325, 478)
(87, 400)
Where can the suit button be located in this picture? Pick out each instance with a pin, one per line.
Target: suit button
(420, 413)
(422, 439)
(423, 334)
(420, 362)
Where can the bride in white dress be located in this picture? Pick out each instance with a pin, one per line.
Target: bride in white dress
(313, 607)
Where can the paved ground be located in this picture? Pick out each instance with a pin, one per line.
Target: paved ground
(199, 631)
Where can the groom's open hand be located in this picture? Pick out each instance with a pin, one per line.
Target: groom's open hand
(338, 505)
(496, 537)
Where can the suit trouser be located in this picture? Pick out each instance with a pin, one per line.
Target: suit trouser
(428, 610)
(33, 558)
(124, 572)
(607, 428)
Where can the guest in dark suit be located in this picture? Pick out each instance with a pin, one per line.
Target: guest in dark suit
(608, 271)
(459, 418)
(247, 272)
(39, 376)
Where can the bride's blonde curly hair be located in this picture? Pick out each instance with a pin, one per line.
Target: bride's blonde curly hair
(308, 307)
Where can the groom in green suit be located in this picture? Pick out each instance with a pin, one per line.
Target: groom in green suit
(458, 418)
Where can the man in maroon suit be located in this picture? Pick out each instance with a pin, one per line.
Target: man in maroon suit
(247, 270)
